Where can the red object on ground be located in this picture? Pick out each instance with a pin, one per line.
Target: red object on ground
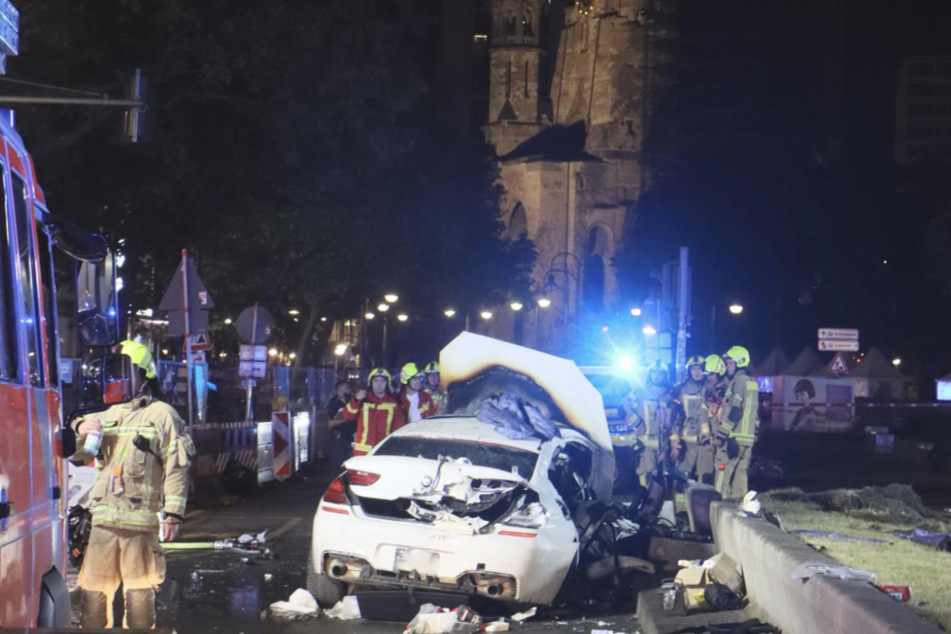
(899, 593)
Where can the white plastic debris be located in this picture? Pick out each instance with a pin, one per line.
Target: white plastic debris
(522, 616)
(301, 605)
(433, 620)
(347, 609)
(750, 506)
(813, 568)
(497, 626)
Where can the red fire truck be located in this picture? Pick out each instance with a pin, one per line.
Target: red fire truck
(32, 466)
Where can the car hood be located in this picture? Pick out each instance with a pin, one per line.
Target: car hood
(565, 394)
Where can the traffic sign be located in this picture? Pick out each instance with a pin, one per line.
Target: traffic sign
(255, 325)
(200, 343)
(252, 362)
(838, 365)
(198, 296)
(849, 334)
(832, 345)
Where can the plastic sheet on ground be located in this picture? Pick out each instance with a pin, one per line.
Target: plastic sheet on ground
(347, 609)
(840, 537)
(301, 605)
(941, 541)
(813, 568)
(433, 620)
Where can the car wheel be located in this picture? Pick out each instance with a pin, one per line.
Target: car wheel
(327, 591)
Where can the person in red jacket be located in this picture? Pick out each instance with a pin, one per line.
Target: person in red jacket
(415, 402)
(377, 412)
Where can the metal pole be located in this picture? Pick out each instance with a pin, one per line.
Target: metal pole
(73, 101)
(188, 341)
(683, 306)
(249, 410)
(385, 320)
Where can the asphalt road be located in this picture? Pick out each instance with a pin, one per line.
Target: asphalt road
(227, 591)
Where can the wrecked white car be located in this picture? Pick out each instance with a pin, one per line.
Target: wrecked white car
(483, 505)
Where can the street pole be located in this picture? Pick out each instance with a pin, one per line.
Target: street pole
(249, 411)
(683, 306)
(188, 341)
(385, 320)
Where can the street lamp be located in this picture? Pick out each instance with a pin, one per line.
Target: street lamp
(486, 315)
(544, 302)
(449, 312)
(293, 312)
(649, 330)
(896, 361)
(391, 298)
(736, 308)
(516, 306)
(228, 321)
(402, 316)
(636, 312)
(383, 308)
(369, 315)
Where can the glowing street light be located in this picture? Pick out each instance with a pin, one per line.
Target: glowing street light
(322, 319)
(272, 352)
(896, 361)
(636, 311)
(293, 312)
(293, 355)
(383, 308)
(736, 308)
(486, 314)
(229, 321)
(402, 316)
(516, 306)
(391, 298)
(369, 315)
(649, 330)
(544, 302)
(449, 312)
(340, 349)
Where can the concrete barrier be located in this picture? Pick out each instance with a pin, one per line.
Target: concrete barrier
(820, 605)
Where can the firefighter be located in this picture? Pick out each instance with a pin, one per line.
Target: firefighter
(139, 495)
(715, 367)
(690, 396)
(377, 412)
(434, 389)
(415, 402)
(657, 423)
(738, 420)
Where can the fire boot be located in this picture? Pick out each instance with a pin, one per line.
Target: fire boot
(140, 609)
(94, 610)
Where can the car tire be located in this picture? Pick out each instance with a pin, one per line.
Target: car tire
(327, 591)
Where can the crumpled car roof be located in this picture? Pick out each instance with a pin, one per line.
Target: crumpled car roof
(575, 399)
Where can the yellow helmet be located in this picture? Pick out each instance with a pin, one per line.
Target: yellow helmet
(408, 372)
(714, 364)
(740, 355)
(375, 372)
(140, 355)
(432, 367)
(695, 360)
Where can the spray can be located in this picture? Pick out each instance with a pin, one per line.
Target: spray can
(93, 442)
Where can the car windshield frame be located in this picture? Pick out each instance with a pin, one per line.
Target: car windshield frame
(480, 454)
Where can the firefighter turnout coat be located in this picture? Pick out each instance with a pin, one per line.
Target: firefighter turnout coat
(133, 485)
(377, 417)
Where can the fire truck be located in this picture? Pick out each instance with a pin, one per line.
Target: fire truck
(33, 510)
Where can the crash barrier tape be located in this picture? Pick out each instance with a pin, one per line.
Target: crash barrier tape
(768, 557)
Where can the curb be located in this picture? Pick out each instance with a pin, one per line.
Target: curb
(818, 605)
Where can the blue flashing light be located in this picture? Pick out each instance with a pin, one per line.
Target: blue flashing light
(111, 312)
(626, 363)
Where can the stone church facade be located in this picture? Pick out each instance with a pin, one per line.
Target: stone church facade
(568, 123)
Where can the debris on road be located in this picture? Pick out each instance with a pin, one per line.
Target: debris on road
(434, 620)
(205, 572)
(523, 616)
(347, 609)
(301, 605)
(497, 626)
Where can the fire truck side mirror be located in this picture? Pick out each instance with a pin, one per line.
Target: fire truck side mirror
(105, 379)
(97, 314)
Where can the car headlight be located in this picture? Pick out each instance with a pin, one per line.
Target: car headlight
(532, 515)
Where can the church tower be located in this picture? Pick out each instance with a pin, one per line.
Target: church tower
(517, 86)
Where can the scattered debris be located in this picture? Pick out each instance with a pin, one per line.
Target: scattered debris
(497, 626)
(268, 576)
(301, 605)
(205, 572)
(434, 620)
(840, 537)
(899, 593)
(938, 541)
(347, 609)
(524, 616)
(813, 568)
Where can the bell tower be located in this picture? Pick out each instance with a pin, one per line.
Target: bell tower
(516, 85)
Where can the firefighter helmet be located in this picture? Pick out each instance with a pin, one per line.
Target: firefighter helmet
(714, 364)
(432, 367)
(409, 372)
(740, 355)
(695, 360)
(140, 355)
(375, 372)
(657, 375)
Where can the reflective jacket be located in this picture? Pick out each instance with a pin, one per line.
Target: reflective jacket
(426, 405)
(440, 399)
(739, 413)
(690, 396)
(133, 485)
(377, 417)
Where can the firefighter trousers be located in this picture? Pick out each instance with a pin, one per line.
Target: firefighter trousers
(646, 465)
(114, 557)
(698, 460)
(732, 480)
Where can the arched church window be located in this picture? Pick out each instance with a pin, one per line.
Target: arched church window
(517, 222)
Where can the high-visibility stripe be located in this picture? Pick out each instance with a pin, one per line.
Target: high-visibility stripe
(365, 448)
